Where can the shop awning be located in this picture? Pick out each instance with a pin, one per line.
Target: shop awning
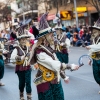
(25, 13)
(50, 17)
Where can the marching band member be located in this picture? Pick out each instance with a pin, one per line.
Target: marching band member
(21, 55)
(94, 52)
(50, 69)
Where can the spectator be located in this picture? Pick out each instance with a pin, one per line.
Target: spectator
(69, 33)
(7, 35)
(86, 37)
(75, 38)
(81, 32)
(75, 29)
(13, 36)
(79, 28)
(2, 34)
(67, 29)
(63, 27)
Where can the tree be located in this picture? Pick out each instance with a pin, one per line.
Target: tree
(5, 12)
(95, 3)
(57, 3)
(33, 6)
(29, 5)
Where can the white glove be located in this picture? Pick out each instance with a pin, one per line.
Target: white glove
(66, 78)
(74, 67)
(62, 44)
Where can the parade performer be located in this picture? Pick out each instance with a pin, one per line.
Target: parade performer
(20, 56)
(1, 63)
(94, 51)
(50, 69)
(9, 46)
(63, 43)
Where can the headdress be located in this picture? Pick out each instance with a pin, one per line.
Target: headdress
(21, 33)
(44, 27)
(95, 36)
(97, 25)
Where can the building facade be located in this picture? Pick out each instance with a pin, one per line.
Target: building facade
(24, 11)
(87, 14)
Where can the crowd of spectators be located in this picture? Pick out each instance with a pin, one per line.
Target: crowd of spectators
(7, 33)
(80, 36)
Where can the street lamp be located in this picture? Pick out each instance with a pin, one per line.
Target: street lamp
(75, 6)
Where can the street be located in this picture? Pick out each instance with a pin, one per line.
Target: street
(82, 85)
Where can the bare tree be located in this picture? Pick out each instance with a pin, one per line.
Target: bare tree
(95, 3)
(29, 5)
(33, 5)
(58, 3)
(5, 12)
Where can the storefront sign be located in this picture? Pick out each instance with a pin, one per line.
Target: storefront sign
(80, 9)
(65, 15)
(81, 15)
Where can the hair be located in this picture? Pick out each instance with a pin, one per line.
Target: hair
(13, 35)
(40, 41)
(1, 31)
(45, 37)
(58, 32)
(35, 31)
(49, 40)
(85, 31)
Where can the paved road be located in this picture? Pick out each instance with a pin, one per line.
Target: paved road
(82, 85)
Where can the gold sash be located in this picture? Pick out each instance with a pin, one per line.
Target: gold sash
(96, 55)
(48, 75)
(19, 62)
